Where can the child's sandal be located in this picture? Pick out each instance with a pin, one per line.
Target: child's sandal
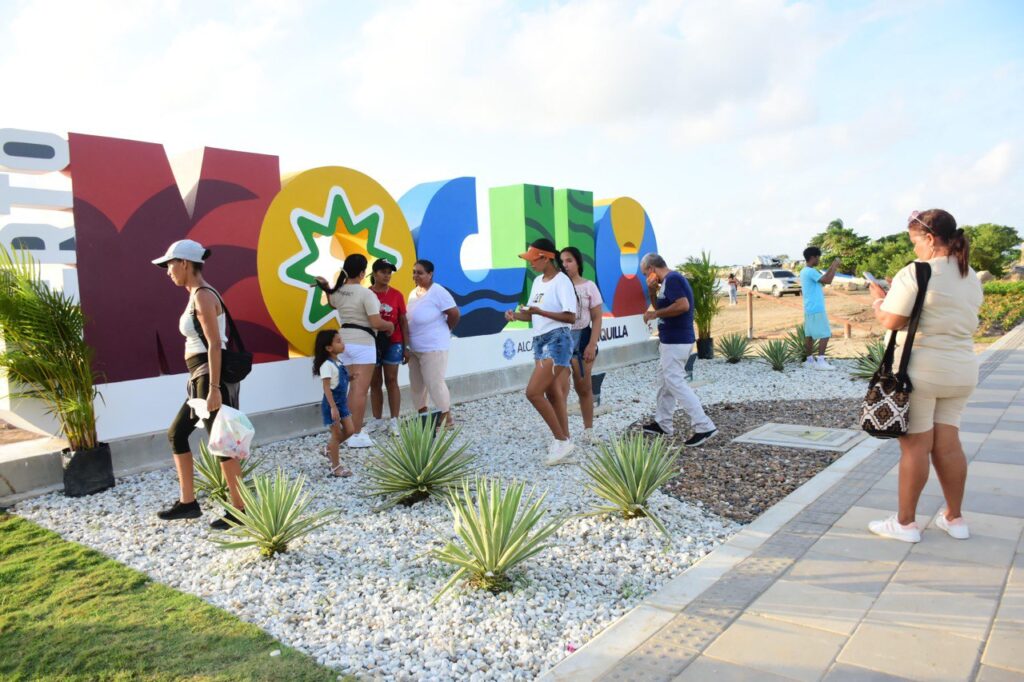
(341, 471)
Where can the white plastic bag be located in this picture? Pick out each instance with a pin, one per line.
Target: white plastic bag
(231, 434)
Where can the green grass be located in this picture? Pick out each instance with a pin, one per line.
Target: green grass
(1003, 287)
(69, 613)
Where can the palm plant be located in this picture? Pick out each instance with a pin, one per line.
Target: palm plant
(416, 463)
(734, 347)
(627, 472)
(866, 364)
(274, 515)
(776, 352)
(703, 277)
(210, 477)
(45, 356)
(498, 531)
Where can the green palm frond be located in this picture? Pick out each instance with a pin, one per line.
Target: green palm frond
(734, 347)
(703, 277)
(500, 530)
(209, 476)
(416, 463)
(867, 363)
(274, 515)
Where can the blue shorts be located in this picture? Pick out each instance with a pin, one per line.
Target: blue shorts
(340, 395)
(393, 355)
(580, 341)
(554, 345)
(816, 326)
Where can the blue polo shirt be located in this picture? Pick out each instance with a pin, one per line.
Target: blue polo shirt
(678, 329)
(813, 293)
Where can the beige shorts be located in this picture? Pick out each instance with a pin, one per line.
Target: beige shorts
(932, 404)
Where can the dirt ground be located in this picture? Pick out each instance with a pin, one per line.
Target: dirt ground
(9, 434)
(776, 317)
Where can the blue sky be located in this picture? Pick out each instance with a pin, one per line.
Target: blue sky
(742, 127)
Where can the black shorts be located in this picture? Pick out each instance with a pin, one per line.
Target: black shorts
(186, 420)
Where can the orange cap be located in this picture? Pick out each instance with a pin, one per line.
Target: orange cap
(533, 253)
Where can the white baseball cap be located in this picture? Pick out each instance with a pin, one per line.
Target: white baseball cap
(184, 249)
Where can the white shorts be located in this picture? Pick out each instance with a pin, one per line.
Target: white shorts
(358, 354)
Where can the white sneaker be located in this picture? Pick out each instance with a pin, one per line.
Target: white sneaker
(393, 425)
(957, 528)
(560, 453)
(891, 528)
(371, 425)
(822, 364)
(359, 440)
(809, 363)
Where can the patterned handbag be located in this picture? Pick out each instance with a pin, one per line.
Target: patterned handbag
(886, 408)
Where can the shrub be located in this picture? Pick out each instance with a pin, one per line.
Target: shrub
(703, 277)
(776, 352)
(1000, 313)
(866, 364)
(999, 287)
(796, 340)
(626, 473)
(734, 347)
(499, 531)
(416, 463)
(273, 516)
(210, 478)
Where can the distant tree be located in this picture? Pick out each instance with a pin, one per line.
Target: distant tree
(993, 247)
(839, 241)
(885, 257)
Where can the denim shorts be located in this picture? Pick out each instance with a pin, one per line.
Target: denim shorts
(393, 356)
(555, 345)
(580, 341)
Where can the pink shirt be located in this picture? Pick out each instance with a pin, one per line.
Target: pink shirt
(589, 296)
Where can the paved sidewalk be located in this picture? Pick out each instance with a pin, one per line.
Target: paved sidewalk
(823, 599)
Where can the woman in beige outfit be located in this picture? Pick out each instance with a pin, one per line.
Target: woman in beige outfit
(943, 370)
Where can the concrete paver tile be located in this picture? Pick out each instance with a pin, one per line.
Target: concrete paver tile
(991, 525)
(705, 668)
(979, 549)
(842, 672)
(839, 573)
(884, 499)
(1005, 648)
(890, 482)
(919, 654)
(999, 452)
(776, 647)
(1000, 505)
(989, 674)
(947, 575)
(991, 485)
(813, 607)
(653, 661)
(997, 470)
(697, 626)
(858, 517)
(1014, 413)
(916, 606)
(860, 544)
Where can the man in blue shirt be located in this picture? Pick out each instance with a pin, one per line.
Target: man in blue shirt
(672, 299)
(816, 325)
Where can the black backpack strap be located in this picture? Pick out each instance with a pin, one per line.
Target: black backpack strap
(233, 335)
(923, 271)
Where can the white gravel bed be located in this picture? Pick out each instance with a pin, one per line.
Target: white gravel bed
(356, 594)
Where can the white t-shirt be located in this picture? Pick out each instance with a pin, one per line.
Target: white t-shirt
(428, 326)
(355, 304)
(557, 295)
(943, 350)
(329, 370)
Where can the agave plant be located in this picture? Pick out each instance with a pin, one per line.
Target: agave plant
(274, 515)
(498, 531)
(866, 364)
(627, 471)
(45, 356)
(209, 476)
(416, 463)
(776, 352)
(734, 347)
(797, 342)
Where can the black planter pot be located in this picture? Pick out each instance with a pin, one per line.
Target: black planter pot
(87, 471)
(706, 348)
(595, 384)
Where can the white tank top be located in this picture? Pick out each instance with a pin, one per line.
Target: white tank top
(193, 344)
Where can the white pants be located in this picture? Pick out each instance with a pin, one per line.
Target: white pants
(426, 376)
(675, 391)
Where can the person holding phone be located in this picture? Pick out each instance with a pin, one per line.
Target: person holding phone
(816, 325)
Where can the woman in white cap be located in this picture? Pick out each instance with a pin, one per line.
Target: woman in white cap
(203, 345)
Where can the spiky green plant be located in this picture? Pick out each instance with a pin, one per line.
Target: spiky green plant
(734, 347)
(498, 531)
(274, 515)
(797, 342)
(416, 463)
(703, 277)
(776, 352)
(44, 354)
(209, 476)
(627, 471)
(867, 363)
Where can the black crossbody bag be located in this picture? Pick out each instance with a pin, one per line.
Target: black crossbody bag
(885, 411)
(235, 364)
(381, 340)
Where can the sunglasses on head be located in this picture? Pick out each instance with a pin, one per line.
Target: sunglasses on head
(914, 217)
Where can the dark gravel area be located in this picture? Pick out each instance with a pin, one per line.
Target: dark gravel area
(741, 480)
